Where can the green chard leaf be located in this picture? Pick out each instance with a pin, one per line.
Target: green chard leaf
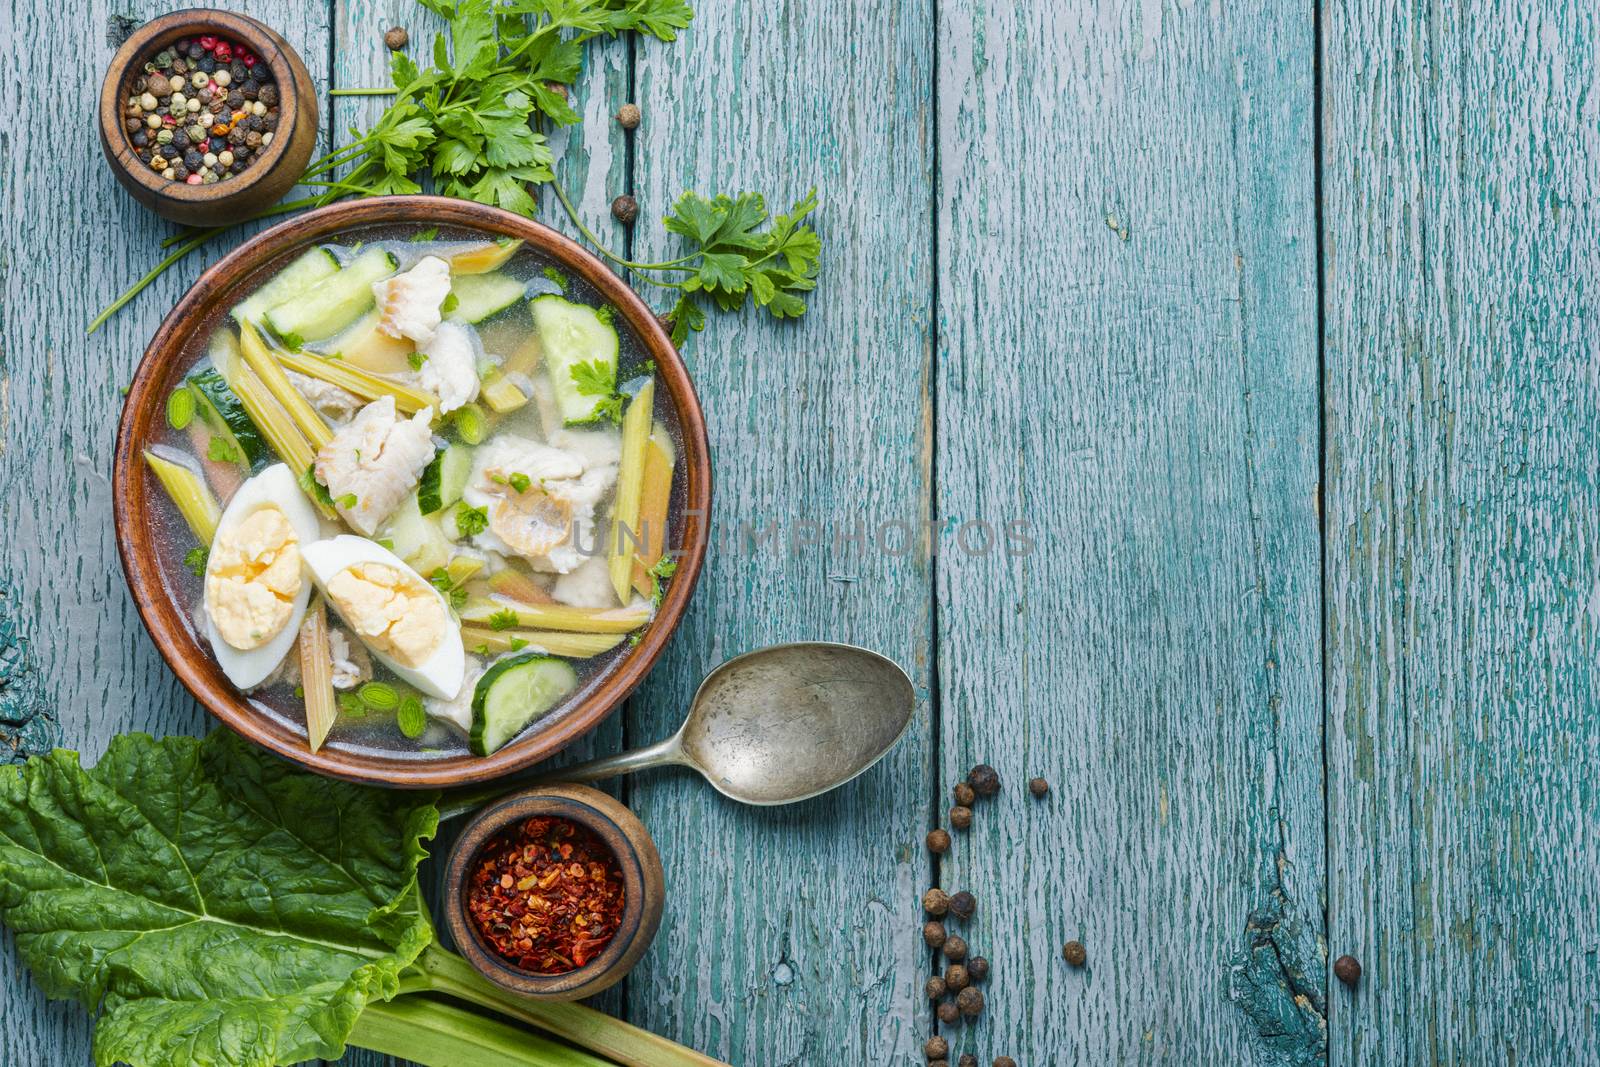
(215, 904)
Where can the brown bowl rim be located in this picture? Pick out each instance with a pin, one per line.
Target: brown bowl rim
(280, 58)
(642, 874)
(162, 616)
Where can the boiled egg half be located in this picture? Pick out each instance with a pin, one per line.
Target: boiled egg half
(255, 589)
(403, 620)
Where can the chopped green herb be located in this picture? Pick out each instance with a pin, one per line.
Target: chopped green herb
(411, 718)
(426, 235)
(195, 560)
(347, 502)
(299, 692)
(519, 481)
(451, 302)
(518, 644)
(605, 313)
(441, 580)
(593, 378)
(318, 491)
(471, 521)
(504, 619)
(416, 359)
(222, 450)
(180, 408)
(557, 277)
(386, 543)
(482, 648)
(664, 569)
(351, 705)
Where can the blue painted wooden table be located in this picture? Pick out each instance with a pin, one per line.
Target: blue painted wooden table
(1274, 328)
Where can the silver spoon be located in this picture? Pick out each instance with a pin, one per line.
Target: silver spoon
(780, 724)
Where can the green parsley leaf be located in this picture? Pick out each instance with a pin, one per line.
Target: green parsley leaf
(449, 304)
(195, 560)
(518, 644)
(504, 619)
(556, 276)
(471, 521)
(222, 450)
(664, 568)
(318, 491)
(593, 378)
(347, 501)
(431, 233)
(416, 359)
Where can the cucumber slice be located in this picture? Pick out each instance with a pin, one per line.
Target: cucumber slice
(364, 345)
(225, 417)
(514, 692)
(444, 479)
(481, 259)
(572, 334)
(334, 303)
(480, 295)
(416, 538)
(290, 282)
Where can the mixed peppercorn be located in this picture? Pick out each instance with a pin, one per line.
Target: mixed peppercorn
(546, 895)
(203, 110)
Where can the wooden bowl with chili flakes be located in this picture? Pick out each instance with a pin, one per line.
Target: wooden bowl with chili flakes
(554, 892)
(273, 169)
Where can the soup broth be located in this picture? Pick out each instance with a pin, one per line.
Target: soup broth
(421, 492)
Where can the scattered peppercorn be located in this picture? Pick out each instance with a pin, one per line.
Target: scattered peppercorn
(948, 1013)
(984, 779)
(960, 817)
(1074, 953)
(1004, 1061)
(628, 116)
(1038, 786)
(963, 904)
(967, 1060)
(978, 969)
(964, 794)
(956, 978)
(934, 988)
(936, 1048)
(933, 934)
(955, 948)
(179, 100)
(396, 38)
(1348, 970)
(935, 902)
(970, 1001)
(939, 841)
(625, 209)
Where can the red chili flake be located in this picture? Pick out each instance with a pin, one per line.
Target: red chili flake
(546, 895)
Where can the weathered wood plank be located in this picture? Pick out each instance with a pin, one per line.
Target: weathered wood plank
(1128, 362)
(792, 935)
(1462, 162)
(73, 240)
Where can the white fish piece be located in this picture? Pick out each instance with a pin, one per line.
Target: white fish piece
(336, 405)
(408, 303)
(449, 366)
(599, 448)
(377, 459)
(587, 586)
(550, 523)
(351, 664)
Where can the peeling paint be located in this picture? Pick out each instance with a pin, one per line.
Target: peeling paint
(26, 728)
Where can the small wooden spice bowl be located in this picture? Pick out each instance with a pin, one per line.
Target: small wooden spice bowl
(643, 889)
(272, 174)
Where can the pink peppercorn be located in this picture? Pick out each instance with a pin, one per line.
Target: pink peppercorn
(207, 42)
(249, 59)
(193, 179)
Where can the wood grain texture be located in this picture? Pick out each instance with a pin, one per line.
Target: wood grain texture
(73, 239)
(1128, 362)
(1462, 165)
(791, 935)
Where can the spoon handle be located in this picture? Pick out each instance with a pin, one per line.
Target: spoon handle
(657, 755)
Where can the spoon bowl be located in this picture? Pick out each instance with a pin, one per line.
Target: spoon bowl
(781, 724)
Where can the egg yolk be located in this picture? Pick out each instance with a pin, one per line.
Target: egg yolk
(392, 611)
(253, 579)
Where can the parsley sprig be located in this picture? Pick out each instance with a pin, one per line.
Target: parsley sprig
(475, 120)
